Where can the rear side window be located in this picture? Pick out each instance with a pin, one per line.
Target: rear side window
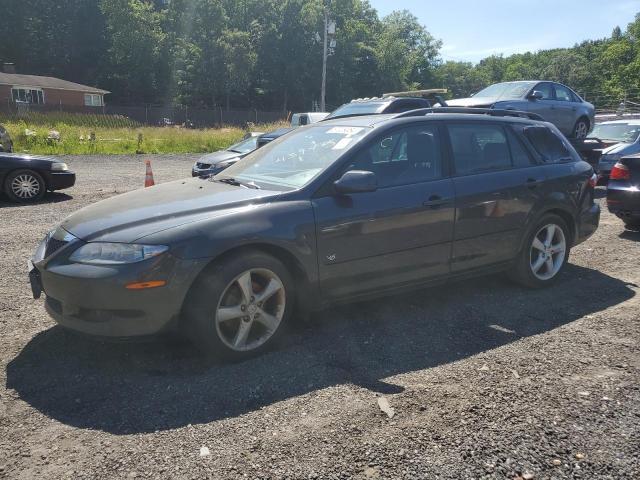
(519, 154)
(547, 144)
(479, 148)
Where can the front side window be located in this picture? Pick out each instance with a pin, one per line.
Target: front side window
(547, 144)
(479, 148)
(297, 158)
(563, 94)
(409, 155)
(546, 89)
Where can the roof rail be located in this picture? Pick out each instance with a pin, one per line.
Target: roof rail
(415, 93)
(495, 112)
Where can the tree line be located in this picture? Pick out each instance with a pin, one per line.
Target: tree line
(267, 54)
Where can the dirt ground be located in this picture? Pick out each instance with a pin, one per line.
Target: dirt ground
(486, 379)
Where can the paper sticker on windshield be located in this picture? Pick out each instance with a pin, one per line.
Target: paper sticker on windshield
(345, 130)
(342, 144)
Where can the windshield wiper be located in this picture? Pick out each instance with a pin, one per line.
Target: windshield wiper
(237, 183)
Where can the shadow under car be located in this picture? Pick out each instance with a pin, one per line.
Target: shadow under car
(125, 388)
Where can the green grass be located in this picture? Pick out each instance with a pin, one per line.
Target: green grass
(125, 138)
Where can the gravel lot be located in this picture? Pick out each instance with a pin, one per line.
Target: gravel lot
(487, 380)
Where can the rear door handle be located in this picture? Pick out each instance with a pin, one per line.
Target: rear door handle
(434, 201)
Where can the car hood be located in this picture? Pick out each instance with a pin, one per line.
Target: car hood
(217, 157)
(128, 217)
(471, 102)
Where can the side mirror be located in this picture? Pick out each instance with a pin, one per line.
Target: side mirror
(535, 95)
(356, 181)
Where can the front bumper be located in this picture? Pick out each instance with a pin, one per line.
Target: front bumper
(93, 299)
(61, 180)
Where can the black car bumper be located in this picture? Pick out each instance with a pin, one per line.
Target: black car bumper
(60, 180)
(623, 200)
(95, 300)
(589, 221)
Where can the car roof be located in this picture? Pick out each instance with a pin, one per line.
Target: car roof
(277, 133)
(373, 120)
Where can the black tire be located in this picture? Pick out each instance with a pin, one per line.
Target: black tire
(632, 224)
(581, 129)
(31, 176)
(201, 306)
(522, 271)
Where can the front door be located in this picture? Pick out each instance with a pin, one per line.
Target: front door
(402, 232)
(546, 106)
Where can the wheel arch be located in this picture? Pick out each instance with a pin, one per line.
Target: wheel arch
(560, 212)
(306, 300)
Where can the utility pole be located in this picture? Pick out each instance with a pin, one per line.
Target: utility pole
(324, 60)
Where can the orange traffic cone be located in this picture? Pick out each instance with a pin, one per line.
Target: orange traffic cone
(148, 178)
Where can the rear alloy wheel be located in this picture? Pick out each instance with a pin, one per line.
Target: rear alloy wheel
(548, 250)
(239, 307)
(544, 254)
(24, 186)
(581, 129)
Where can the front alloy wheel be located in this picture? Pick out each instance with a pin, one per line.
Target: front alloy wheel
(251, 309)
(240, 305)
(548, 251)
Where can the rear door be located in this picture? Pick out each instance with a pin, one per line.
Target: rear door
(565, 109)
(402, 232)
(497, 184)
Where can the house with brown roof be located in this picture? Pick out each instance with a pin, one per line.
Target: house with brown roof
(38, 90)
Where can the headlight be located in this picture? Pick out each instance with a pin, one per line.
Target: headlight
(102, 253)
(59, 167)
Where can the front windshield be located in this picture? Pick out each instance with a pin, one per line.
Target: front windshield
(505, 91)
(618, 132)
(294, 160)
(355, 108)
(245, 146)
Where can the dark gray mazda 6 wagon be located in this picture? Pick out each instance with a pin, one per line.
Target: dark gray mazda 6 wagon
(335, 211)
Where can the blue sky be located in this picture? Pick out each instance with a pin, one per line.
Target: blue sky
(473, 29)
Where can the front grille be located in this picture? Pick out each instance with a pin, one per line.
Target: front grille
(53, 245)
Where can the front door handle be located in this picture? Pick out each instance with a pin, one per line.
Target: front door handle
(434, 201)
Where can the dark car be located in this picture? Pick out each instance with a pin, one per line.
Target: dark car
(5, 140)
(554, 102)
(377, 106)
(271, 136)
(215, 162)
(26, 178)
(623, 190)
(334, 211)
